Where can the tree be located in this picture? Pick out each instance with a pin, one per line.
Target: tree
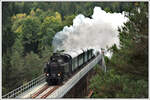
(49, 27)
(113, 85)
(128, 74)
(134, 44)
(68, 20)
(33, 66)
(28, 29)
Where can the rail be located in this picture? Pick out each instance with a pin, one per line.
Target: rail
(24, 87)
(65, 88)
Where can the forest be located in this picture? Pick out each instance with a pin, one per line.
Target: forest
(29, 27)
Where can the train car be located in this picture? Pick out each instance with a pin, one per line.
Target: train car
(62, 65)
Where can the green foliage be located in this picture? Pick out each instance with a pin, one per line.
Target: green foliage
(6, 71)
(21, 69)
(46, 53)
(133, 55)
(127, 76)
(34, 34)
(107, 9)
(32, 66)
(28, 30)
(17, 55)
(30, 44)
(68, 20)
(112, 85)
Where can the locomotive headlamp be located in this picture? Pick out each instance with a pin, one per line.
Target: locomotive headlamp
(47, 74)
(58, 74)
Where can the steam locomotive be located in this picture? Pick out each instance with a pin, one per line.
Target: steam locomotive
(63, 64)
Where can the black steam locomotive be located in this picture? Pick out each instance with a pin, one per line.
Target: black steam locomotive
(62, 65)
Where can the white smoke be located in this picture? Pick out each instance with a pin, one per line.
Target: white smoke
(100, 31)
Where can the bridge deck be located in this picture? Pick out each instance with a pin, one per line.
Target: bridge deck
(31, 91)
(61, 90)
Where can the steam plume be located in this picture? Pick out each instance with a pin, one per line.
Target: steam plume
(98, 32)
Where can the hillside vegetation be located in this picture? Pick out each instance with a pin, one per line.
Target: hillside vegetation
(28, 29)
(127, 70)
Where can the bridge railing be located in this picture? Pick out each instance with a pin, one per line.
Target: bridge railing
(24, 87)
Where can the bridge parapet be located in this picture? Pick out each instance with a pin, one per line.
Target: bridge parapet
(24, 87)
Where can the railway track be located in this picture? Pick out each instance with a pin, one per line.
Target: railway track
(44, 91)
(49, 92)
